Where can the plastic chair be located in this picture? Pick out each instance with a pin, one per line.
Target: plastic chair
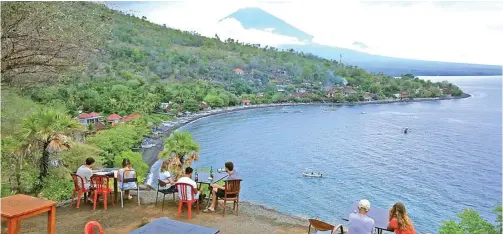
(322, 227)
(89, 228)
(183, 192)
(163, 191)
(78, 188)
(101, 185)
(129, 180)
(232, 189)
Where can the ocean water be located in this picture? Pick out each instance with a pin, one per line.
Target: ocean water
(449, 160)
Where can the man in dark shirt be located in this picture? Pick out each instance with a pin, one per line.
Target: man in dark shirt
(219, 191)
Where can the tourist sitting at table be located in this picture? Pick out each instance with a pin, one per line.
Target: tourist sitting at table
(359, 222)
(126, 172)
(219, 191)
(187, 179)
(399, 221)
(165, 176)
(85, 172)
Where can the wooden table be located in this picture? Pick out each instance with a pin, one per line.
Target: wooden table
(169, 226)
(379, 215)
(20, 206)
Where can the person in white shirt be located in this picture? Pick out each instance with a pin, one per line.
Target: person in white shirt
(165, 176)
(187, 179)
(86, 172)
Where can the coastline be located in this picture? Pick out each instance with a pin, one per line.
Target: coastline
(182, 121)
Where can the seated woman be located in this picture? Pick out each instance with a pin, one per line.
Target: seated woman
(126, 172)
(399, 221)
(165, 176)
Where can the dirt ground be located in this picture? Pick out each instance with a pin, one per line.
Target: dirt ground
(251, 219)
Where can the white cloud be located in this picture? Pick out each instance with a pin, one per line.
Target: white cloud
(456, 32)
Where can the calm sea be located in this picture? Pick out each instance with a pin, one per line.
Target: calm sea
(450, 160)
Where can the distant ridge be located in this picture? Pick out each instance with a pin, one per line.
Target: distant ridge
(257, 18)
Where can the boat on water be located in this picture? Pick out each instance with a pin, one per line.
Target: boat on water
(148, 143)
(405, 130)
(312, 174)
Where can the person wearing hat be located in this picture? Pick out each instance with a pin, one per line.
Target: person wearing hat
(359, 222)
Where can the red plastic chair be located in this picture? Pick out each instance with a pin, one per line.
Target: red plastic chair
(78, 188)
(89, 228)
(101, 186)
(183, 192)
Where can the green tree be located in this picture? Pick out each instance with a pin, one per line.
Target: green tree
(48, 130)
(471, 223)
(180, 148)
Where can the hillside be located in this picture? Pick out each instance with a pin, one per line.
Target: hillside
(133, 65)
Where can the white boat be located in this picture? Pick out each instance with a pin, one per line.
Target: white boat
(147, 146)
(312, 174)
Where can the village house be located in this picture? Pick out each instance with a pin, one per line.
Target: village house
(259, 95)
(239, 71)
(301, 90)
(306, 84)
(367, 97)
(348, 90)
(246, 102)
(130, 117)
(446, 92)
(90, 118)
(303, 95)
(274, 81)
(330, 93)
(280, 88)
(204, 106)
(114, 119)
(404, 95)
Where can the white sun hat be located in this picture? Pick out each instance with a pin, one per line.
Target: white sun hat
(364, 205)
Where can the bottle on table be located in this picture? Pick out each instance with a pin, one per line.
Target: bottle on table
(211, 172)
(196, 177)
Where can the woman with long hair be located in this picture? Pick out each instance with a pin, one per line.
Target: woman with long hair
(126, 172)
(399, 221)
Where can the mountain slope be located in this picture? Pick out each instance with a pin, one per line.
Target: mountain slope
(258, 19)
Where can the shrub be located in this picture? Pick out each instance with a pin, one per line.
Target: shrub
(57, 186)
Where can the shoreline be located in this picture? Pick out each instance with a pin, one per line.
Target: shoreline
(182, 121)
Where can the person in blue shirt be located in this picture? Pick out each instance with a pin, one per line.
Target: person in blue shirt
(359, 222)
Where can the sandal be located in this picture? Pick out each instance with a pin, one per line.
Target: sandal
(208, 210)
(130, 197)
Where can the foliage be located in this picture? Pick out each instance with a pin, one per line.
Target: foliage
(137, 163)
(76, 156)
(116, 140)
(47, 38)
(58, 185)
(471, 223)
(180, 148)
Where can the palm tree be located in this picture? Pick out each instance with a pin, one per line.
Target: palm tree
(180, 148)
(48, 130)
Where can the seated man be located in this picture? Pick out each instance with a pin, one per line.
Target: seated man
(359, 222)
(187, 179)
(219, 191)
(85, 172)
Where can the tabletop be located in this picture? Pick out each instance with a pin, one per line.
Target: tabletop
(203, 177)
(21, 204)
(165, 225)
(379, 215)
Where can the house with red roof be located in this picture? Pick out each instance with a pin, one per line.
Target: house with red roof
(90, 118)
(130, 117)
(246, 102)
(239, 71)
(114, 119)
(404, 94)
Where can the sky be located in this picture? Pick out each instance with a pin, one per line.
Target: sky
(451, 31)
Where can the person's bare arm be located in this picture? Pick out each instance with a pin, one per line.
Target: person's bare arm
(171, 181)
(390, 228)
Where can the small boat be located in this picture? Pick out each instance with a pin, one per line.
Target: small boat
(406, 130)
(298, 111)
(312, 174)
(364, 112)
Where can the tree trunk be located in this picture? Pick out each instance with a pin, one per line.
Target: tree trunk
(44, 163)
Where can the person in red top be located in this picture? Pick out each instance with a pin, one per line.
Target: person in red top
(399, 221)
